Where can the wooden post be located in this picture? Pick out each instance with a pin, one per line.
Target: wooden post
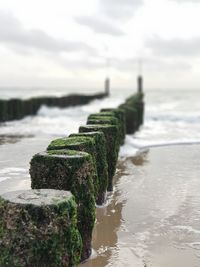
(107, 86)
(140, 84)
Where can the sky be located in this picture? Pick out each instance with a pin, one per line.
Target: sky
(78, 43)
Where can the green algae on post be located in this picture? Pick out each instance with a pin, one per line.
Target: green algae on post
(131, 118)
(72, 171)
(39, 228)
(3, 110)
(120, 115)
(79, 143)
(102, 120)
(109, 121)
(136, 101)
(112, 146)
(108, 118)
(101, 162)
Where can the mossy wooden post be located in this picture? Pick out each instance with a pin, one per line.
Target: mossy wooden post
(131, 118)
(140, 84)
(112, 146)
(109, 120)
(39, 228)
(140, 108)
(72, 171)
(105, 118)
(136, 101)
(3, 110)
(15, 109)
(120, 115)
(27, 107)
(101, 162)
(84, 144)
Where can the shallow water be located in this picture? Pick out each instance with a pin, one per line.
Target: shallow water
(153, 217)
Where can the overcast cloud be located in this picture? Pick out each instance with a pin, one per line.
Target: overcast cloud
(187, 1)
(52, 40)
(100, 25)
(120, 9)
(175, 47)
(12, 32)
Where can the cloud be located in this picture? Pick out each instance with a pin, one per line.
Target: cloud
(174, 47)
(120, 9)
(150, 64)
(13, 33)
(128, 65)
(186, 1)
(100, 25)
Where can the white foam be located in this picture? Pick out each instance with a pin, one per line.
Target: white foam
(11, 172)
(58, 121)
(12, 169)
(186, 228)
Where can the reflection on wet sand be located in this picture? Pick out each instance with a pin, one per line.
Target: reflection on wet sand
(153, 217)
(109, 219)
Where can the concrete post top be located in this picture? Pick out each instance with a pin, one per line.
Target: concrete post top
(37, 197)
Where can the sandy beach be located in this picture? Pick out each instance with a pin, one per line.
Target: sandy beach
(152, 218)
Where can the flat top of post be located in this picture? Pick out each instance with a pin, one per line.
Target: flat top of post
(37, 197)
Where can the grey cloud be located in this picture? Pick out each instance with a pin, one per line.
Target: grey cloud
(174, 47)
(13, 33)
(120, 9)
(100, 25)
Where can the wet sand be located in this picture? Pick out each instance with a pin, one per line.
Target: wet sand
(153, 216)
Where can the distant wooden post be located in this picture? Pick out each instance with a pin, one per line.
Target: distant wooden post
(140, 84)
(107, 86)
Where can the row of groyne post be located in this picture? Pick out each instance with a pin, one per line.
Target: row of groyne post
(16, 109)
(51, 224)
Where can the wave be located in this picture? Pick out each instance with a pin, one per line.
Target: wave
(58, 121)
(133, 146)
(193, 118)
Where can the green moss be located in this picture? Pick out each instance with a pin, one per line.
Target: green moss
(135, 98)
(120, 115)
(62, 143)
(139, 106)
(103, 120)
(79, 143)
(58, 169)
(64, 152)
(39, 235)
(111, 133)
(101, 161)
(3, 110)
(109, 121)
(131, 118)
(136, 102)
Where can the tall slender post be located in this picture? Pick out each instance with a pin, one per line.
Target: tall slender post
(140, 84)
(107, 86)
